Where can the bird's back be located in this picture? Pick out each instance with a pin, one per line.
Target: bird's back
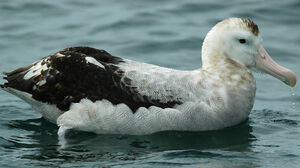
(77, 73)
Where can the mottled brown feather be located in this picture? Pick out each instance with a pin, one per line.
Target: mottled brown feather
(251, 26)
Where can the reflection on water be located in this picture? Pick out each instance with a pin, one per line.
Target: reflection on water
(82, 146)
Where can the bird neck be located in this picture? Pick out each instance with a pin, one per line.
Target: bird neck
(226, 69)
(219, 60)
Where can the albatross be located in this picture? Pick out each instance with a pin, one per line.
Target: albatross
(88, 89)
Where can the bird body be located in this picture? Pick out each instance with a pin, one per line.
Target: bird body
(88, 89)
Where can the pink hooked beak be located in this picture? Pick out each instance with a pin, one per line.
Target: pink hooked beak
(266, 64)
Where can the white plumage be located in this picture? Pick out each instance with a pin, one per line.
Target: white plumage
(206, 106)
(219, 95)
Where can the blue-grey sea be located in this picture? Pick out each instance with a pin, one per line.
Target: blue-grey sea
(163, 32)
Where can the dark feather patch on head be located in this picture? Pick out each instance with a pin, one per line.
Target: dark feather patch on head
(251, 26)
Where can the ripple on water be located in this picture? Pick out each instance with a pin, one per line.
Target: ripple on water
(192, 8)
(161, 47)
(163, 32)
(279, 118)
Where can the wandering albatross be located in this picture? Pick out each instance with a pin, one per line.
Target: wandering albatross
(87, 89)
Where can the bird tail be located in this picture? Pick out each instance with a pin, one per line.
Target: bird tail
(15, 79)
(2, 76)
(14, 83)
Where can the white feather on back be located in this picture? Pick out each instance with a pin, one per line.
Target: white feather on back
(159, 83)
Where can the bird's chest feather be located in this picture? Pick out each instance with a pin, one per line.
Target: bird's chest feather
(229, 94)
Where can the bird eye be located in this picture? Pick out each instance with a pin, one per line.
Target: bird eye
(242, 41)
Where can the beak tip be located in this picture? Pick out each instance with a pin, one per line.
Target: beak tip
(291, 79)
(293, 82)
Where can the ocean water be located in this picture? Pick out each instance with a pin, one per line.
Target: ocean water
(163, 32)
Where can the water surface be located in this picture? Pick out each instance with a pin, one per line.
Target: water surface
(163, 32)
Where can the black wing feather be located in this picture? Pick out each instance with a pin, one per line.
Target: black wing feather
(70, 78)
